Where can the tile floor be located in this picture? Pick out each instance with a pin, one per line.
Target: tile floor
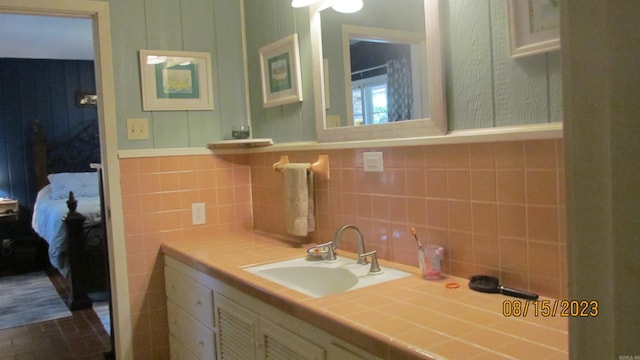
(79, 337)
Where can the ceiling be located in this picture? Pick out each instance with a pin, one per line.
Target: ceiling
(45, 37)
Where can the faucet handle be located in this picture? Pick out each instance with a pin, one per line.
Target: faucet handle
(331, 251)
(375, 268)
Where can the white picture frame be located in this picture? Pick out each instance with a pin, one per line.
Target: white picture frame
(280, 72)
(534, 27)
(175, 80)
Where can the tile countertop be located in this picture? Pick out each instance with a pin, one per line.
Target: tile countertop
(408, 318)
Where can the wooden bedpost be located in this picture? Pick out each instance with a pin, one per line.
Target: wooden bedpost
(78, 297)
(39, 146)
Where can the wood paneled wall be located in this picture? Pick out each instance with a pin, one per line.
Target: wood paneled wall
(212, 26)
(268, 21)
(485, 87)
(45, 90)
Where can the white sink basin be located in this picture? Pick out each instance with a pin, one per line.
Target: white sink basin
(321, 278)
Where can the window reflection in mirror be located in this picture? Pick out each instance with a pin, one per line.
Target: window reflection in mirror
(378, 72)
(370, 81)
(386, 80)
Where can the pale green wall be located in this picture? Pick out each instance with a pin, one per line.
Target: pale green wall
(484, 86)
(266, 22)
(212, 26)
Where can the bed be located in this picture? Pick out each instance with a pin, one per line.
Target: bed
(51, 207)
(67, 216)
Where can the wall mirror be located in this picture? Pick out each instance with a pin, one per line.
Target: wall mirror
(378, 72)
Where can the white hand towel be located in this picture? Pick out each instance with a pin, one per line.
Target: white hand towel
(298, 192)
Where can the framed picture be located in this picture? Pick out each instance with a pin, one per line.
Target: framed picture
(534, 26)
(280, 71)
(86, 99)
(176, 80)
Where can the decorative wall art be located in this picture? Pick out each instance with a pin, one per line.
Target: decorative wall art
(534, 26)
(176, 80)
(280, 71)
(86, 99)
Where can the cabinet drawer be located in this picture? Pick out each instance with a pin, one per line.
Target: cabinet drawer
(191, 333)
(179, 351)
(190, 296)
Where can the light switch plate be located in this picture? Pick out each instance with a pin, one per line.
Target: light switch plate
(137, 129)
(373, 161)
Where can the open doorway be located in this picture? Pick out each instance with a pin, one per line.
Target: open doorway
(49, 87)
(97, 13)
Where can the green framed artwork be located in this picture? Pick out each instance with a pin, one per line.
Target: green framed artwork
(280, 71)
(176, 80)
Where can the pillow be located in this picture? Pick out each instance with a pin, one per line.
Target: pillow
(84, 184)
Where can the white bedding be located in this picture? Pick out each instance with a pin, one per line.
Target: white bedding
(47, 222)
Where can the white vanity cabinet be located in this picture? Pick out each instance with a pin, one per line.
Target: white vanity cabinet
(189, 312)
(238, 326)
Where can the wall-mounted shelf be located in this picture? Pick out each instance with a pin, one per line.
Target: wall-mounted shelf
(239, 144)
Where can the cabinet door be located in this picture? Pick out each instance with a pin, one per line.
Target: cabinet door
(237, 328)
(277, 343)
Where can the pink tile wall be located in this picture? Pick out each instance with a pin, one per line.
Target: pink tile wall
(497, 208)
(157, 194)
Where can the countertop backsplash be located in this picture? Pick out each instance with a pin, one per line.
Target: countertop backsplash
(496, 208)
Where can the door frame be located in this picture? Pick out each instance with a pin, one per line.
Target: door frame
(98, 11)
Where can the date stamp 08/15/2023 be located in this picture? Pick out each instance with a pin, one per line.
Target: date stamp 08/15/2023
(556, 308)
(550, 308)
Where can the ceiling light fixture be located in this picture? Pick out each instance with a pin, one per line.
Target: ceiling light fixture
(348, 6)
(343, 6)
(302, 3)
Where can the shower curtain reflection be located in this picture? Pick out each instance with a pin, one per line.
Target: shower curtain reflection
(399, 91)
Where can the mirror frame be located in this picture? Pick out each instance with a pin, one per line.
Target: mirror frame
(432, 126)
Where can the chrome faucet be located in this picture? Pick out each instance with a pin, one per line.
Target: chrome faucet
(331, 255)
